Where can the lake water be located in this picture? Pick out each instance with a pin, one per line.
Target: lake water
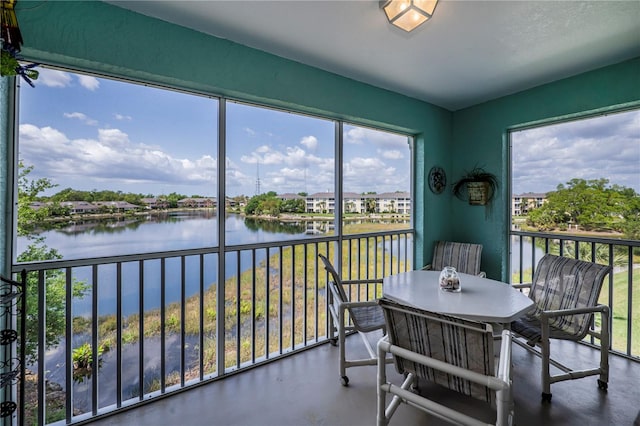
(526, 254)
(165, 232)
(175, 231)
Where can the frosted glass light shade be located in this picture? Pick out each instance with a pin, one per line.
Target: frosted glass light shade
(408, 14)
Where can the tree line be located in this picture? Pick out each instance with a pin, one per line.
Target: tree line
(270, 204)
(592, 205)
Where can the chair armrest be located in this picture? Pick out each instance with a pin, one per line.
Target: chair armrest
(521, 285)
(343, 304)
(489, 381)
(563, 312)
(364, 303)
(354, 282)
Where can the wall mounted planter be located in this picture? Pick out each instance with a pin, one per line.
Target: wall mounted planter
(477, 187)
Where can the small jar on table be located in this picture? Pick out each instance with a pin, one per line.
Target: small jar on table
(449, 280)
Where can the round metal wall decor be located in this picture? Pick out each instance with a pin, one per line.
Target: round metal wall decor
(437, 180)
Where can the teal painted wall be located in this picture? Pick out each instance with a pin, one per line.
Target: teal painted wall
(480, 137)
(108, 40)
(6, 172)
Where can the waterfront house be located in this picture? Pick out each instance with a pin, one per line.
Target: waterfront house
(80, 207)
(116, 206)
(198, 202)
(155, 203)
(456, 87)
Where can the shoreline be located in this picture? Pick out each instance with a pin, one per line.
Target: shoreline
(288, 217)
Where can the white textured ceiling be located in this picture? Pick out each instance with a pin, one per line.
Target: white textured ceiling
(468, 53)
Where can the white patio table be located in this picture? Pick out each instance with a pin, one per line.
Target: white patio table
(481, 299)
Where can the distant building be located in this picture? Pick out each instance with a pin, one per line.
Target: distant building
(38, 205)
(394, 202)
(320, 202)
(117, 206)
(521, 204)
(238, 202)
(197, 203)
(290, 196)
(79, 207)
(155, 203)
(388, 202)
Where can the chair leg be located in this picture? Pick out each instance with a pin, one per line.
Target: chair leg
(545, 355)
(381, 419)
(604, 349)
(332, 323)
(342, 337)
(504, 407)
(333, 339)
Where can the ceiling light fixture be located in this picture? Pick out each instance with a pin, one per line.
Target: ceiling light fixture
(408, 14)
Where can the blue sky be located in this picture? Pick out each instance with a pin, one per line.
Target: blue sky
(600, 147)
(93, 133)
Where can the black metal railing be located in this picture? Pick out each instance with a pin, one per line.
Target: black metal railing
(621, 291)
(105, 333)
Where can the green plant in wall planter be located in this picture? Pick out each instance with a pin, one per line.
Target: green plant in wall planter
(477, 186)
(10, 65)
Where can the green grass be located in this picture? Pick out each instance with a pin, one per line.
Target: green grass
(286, 287)
(619, 309)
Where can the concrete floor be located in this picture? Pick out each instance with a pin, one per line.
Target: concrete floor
(304, 389)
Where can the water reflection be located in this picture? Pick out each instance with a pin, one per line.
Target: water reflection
(274, 226)
(528, 250)
(177, 230)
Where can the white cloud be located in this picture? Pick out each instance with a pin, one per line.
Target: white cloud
(392, 154)
(235, 177)
(355, 135)
(377, 138)
(290, 169)
(53, 78)
(82, 117)
(88, 82)
(602, 147)
(363, 174)
(250, 131)
(294, 180)
(292, 156)
(310, 142)
(109, 157)
(295, 156)
(39, 139)
(360, 163)
(113, 137)
(273, 158)
(122, 117)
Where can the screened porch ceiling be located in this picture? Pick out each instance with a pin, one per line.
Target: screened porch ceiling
(468, 53)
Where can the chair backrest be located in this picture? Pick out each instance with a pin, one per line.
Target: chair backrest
(464, 257)
(455, 341)
(566, 283)
(335, 280)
